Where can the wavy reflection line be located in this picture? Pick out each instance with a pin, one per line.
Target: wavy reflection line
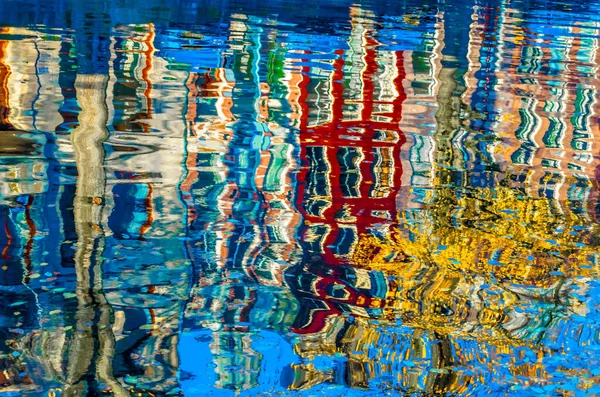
(4, 76)
(148, 53)
(87, 139)
(32, 230)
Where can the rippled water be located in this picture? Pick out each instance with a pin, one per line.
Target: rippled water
(209, 198)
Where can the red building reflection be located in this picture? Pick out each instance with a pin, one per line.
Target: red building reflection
(351, 168)
(350, 176)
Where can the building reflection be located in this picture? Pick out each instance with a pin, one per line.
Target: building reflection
(407, 215)
(56, 242)
(242, 220)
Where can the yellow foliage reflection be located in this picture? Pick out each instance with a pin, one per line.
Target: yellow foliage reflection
(478, 254)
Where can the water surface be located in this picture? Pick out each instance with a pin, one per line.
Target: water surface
(209, 198)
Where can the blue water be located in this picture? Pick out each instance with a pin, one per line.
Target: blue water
(247, 198)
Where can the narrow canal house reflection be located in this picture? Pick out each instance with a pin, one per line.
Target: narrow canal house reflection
(547, 142)
(91, 340)
(54, 245)
(147, 274)
(349, 187)
(11, 144)
(93, 344)
(241, 218)
(38, 186)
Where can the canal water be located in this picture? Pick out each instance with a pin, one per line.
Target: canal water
(303, 198)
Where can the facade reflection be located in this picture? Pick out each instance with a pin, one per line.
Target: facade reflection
(388, 202)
